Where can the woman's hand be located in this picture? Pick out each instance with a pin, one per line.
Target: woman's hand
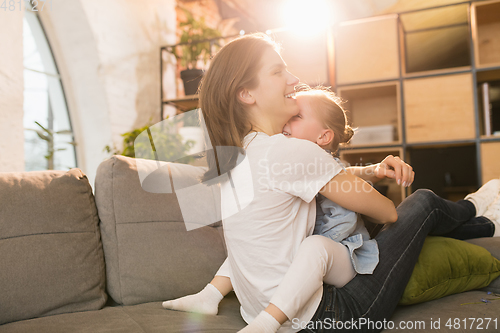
(395, 168)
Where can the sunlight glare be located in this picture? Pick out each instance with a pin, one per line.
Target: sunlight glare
(307, 18)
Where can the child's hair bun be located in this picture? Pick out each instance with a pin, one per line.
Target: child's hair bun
(348, 133)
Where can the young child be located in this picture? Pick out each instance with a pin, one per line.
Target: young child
(322, 120)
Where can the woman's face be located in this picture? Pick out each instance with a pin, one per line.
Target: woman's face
(273, 95)
(306, 124)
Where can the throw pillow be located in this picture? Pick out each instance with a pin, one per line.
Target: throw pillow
(448, 266)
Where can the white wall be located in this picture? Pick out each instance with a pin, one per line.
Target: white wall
(11, 91)
(108, 53)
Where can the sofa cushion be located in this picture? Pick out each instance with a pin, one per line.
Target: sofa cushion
(150, 255)
(141, 318)
(492, 244)
(459, 313)
(448, 266)
(51, 258)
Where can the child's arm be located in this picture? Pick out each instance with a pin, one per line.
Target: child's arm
(355, 194)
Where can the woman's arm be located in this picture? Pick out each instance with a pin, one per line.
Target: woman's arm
(390, 167)
(353, 193)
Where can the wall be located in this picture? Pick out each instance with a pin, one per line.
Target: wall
(108, 53)
(108, 58)
(11, 91)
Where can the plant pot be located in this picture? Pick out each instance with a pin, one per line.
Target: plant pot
(191, 79)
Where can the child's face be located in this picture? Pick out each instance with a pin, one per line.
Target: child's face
(306, 124)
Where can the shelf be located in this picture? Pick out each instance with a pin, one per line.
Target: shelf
(488, 90)
(486, 32)
(441, 144)
(367, 50)
(439, 108)
(438, 72)
(183, 104)
(436, 39)
(449, 171)
(374, 110)
(490, 138)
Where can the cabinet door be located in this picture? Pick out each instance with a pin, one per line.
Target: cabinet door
(439, 108)
(367, 50)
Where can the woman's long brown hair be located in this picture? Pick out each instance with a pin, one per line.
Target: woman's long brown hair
(233, 68)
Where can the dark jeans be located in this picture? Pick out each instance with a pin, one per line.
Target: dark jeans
(373, 298)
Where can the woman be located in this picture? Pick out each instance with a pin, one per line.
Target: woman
(246, 99)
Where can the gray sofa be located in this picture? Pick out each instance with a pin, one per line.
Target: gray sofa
(72, 262)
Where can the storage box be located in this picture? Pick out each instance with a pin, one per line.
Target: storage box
(373, 134)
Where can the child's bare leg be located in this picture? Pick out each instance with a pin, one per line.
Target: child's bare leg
(206, 301)
(222, 283)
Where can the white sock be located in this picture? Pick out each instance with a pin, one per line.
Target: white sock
(205, 302)
(263, 323)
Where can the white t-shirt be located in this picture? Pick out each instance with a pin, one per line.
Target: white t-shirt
(275, 188)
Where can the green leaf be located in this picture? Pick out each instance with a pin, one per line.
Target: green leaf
(45, 129)
(193, 31)
(43, 136)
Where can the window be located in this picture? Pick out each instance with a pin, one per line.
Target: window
(49, 145)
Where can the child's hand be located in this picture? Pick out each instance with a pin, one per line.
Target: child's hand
(395, 168)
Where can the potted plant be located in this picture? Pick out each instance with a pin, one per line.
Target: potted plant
(168, 144)
(195, 45)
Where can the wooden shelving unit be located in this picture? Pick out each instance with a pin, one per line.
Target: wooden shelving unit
(436, 39)
(167, 58)
(426, 72)
(183, 104)
(355, 42)
(486, 32)
(488, 86)
(374, 105)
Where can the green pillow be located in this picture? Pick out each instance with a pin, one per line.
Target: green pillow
(448, 266)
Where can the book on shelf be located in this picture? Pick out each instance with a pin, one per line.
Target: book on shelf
(485, 87)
